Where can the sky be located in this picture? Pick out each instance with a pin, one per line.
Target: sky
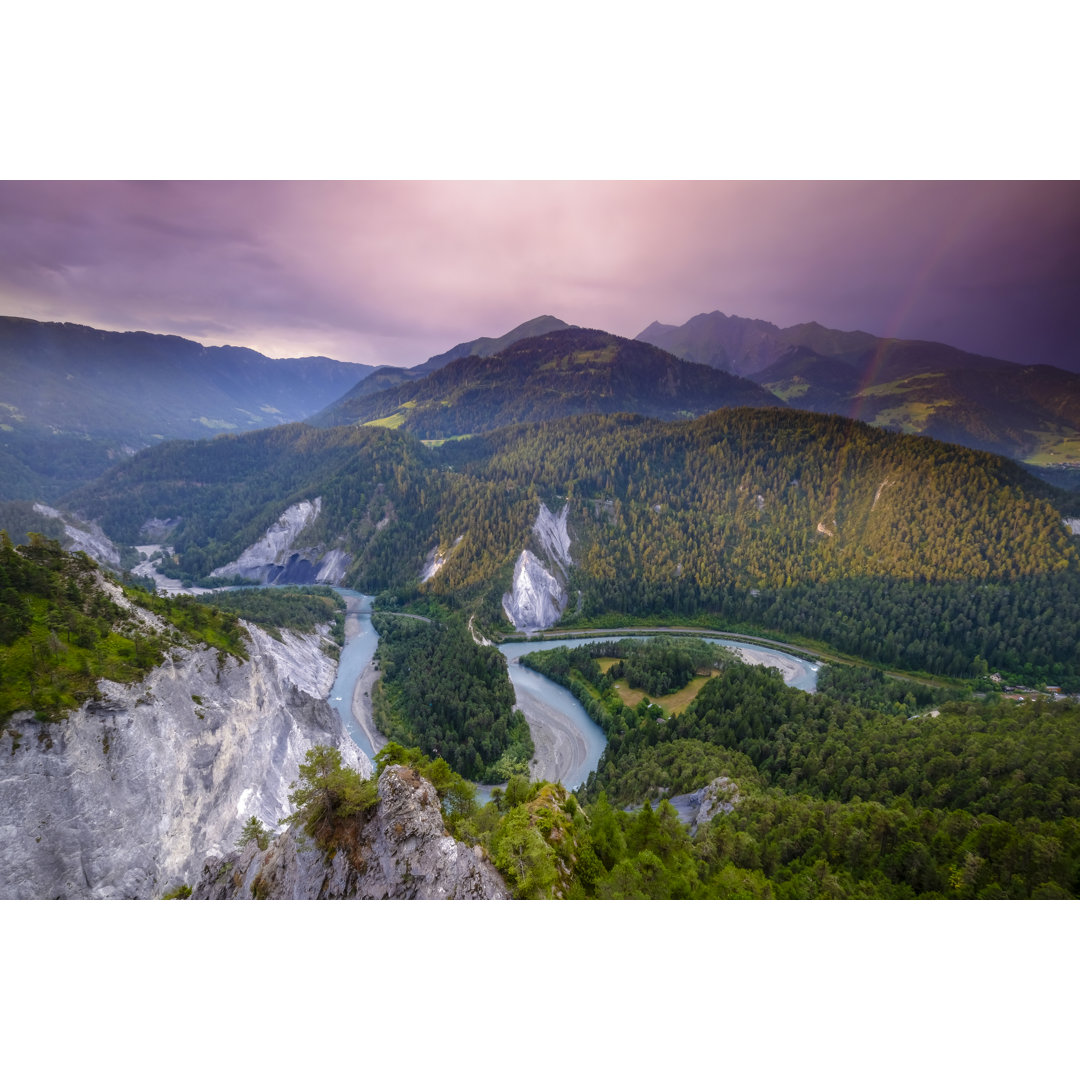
(392, 272)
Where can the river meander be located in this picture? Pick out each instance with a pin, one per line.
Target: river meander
(568, 742)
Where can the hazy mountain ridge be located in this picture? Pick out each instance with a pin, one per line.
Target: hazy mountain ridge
(387, 377)
(1028, 412)
(746, 346)
(78, 395)
(487, 346)
(562, 373)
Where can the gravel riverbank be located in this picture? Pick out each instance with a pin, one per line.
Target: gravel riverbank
(362, 710)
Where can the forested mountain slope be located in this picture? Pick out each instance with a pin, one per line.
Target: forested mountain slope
(562, 373)
(896, 548)
(72, 397)
(378, 488)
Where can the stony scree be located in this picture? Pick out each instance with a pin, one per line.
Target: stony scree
(83, 536)
(536, 599)
(538, 596)
(275, 559)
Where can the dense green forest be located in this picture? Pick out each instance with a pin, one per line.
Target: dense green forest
(47, 464)
(62, 630)
(900, 550)
(287, 607)
(19, 519)
(376, 486)
(764, 844)
(440, 691)
(663, 664)
(970, 799)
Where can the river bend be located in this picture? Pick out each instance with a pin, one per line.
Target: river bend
(568, 743)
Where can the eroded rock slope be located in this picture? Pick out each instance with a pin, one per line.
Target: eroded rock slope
(401, 852)
(131, 794)
(538, 595)
(276, 559)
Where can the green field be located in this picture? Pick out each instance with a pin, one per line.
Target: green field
(395, 419)
(670, 703)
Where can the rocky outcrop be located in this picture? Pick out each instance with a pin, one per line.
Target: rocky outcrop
(275, 559)
(538, 595)
(158, 529)
(536, 598)
(131, 794)
(697, 808)
(401, 852)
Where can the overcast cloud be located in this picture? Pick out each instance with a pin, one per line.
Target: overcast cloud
(381, 272)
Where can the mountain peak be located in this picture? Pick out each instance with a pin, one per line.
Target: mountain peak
(564, 372)
(487, 346)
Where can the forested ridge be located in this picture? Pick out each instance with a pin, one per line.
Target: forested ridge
(897, 549)
(286, 607)
(901, 550)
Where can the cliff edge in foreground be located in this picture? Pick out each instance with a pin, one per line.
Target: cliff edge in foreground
(401, 851)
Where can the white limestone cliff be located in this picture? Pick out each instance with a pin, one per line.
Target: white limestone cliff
(538, 595)
(83, 536)
(436, 560)
(129, 795)
(275, 559)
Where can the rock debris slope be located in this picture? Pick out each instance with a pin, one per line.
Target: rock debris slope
(129, 796)
(274, 559)
(538, 595)
(402, 852)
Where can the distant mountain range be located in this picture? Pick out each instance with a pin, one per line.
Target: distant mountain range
(1031, 413)
(566, 372)
(74, 400)
(73, 397)
(748, 346)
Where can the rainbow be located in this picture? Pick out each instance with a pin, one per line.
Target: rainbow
(914, 291)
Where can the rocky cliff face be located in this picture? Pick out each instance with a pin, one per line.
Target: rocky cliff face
(402, 852)
(131, 794)
(538, 595)
(274, 559)
(83, 536)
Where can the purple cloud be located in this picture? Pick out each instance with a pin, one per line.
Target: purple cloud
(384, 272)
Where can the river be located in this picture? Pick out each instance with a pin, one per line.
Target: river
(568, 743)
(360, 642)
